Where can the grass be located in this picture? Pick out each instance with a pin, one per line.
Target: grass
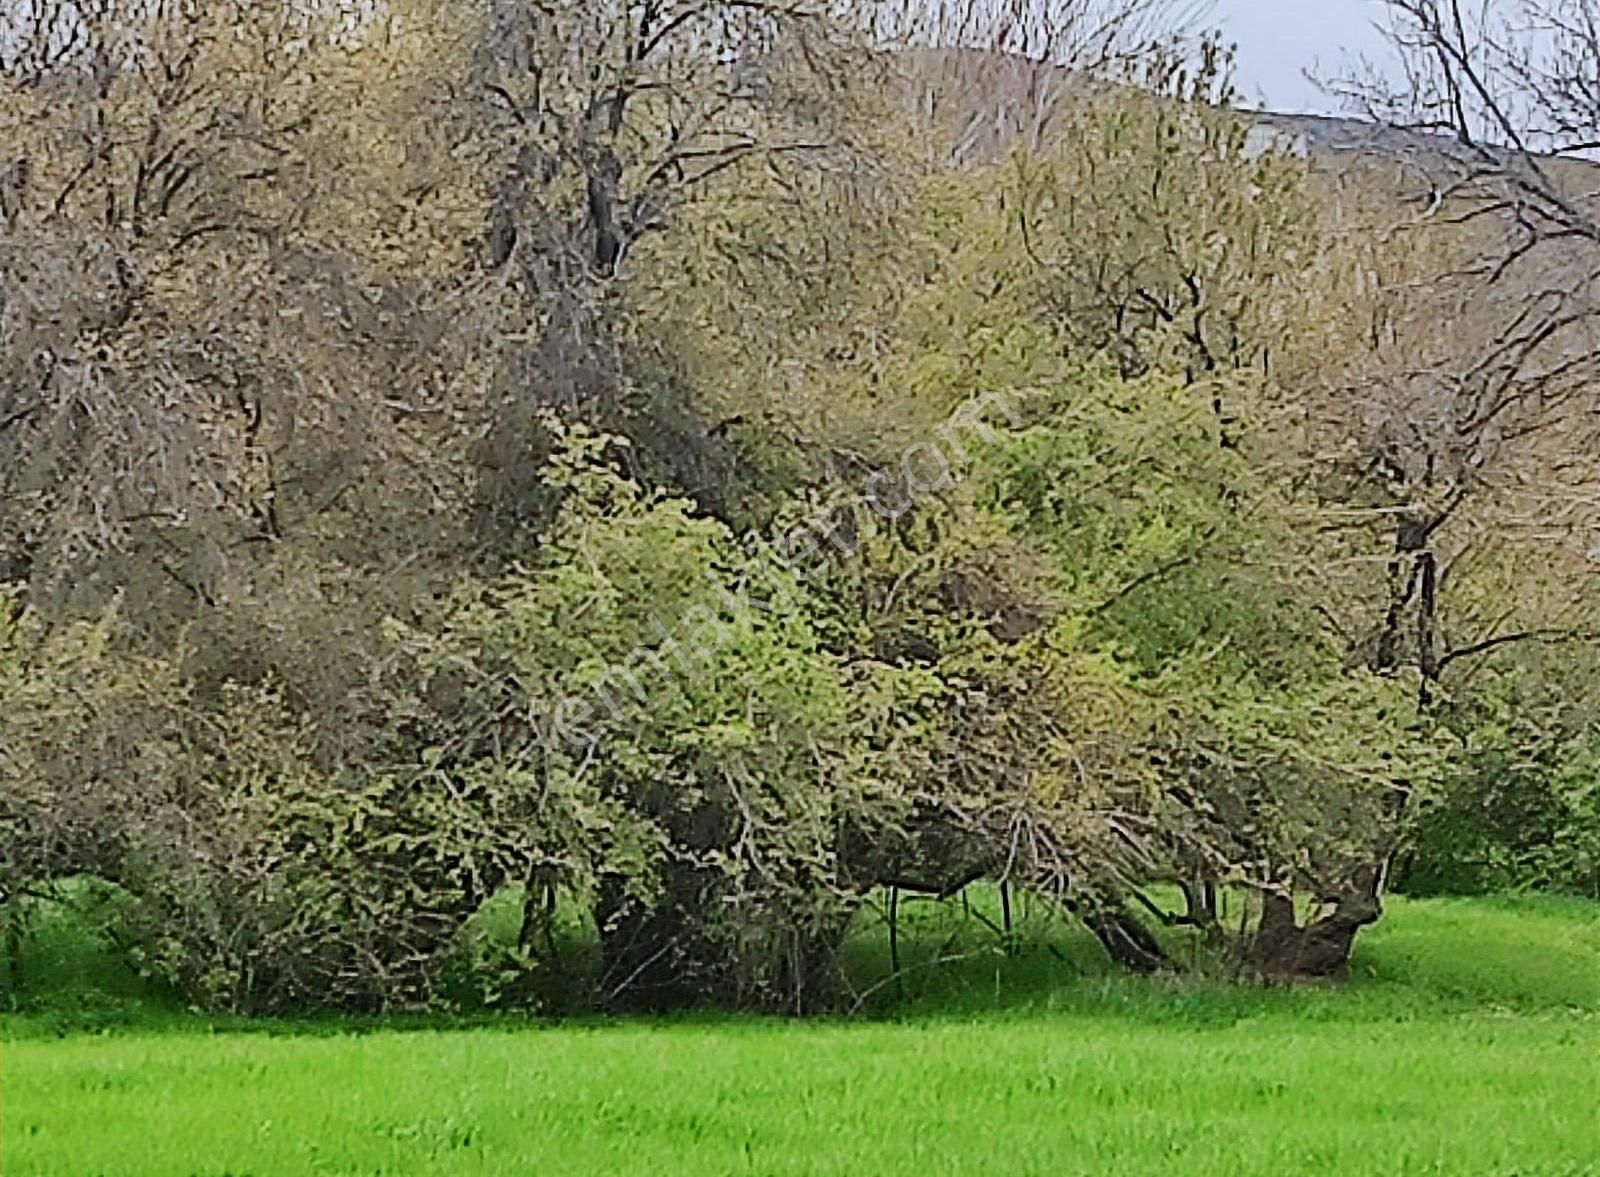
(1468, 1042)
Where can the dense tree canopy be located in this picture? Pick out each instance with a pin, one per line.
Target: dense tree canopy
(697, 465)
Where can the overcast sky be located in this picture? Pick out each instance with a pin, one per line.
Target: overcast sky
(1280, 39)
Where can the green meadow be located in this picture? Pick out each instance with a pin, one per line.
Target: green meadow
(1467, 1042)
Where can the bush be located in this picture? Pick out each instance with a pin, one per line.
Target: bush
(1520, 807)
(1505, 825)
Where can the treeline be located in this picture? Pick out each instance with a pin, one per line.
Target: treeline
(698, 464)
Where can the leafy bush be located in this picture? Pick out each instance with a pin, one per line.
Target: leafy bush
(1520, 809)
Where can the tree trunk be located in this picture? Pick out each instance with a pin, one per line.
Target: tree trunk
(1203, 911)
(15, 940)
(1285, 950)
(538, 912)
(647, 955)
(1126, 940)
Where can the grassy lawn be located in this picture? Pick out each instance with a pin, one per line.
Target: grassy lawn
(1469, 1042)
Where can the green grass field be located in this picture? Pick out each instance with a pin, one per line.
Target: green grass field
(1467, 1043)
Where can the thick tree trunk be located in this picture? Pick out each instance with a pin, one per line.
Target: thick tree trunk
(1286, 950)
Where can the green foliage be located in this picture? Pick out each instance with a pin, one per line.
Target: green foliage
(1161, 238)
(644, 717)
(1521, 806)
(658, 575)
(1269, 761)
(1167, 540)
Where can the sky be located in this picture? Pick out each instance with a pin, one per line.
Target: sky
(1280, 39)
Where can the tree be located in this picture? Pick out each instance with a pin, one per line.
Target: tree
(1467, 405)
(205, 352)
(1450, 449)
(536, 448)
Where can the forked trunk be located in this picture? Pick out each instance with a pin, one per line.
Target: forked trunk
(1286, 950)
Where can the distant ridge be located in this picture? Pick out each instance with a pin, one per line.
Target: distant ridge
(1321, 134)
(995, 101)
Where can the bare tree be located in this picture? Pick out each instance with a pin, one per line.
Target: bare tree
(605, 110)
(200, 266)
(1478, 414)
(987, 76)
